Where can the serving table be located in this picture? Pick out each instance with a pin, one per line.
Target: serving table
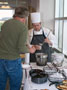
(29, 85)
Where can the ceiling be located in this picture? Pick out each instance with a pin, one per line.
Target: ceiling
(15, 3)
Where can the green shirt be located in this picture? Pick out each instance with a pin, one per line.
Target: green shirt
(13, 38)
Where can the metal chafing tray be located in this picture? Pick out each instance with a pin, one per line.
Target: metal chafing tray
(49, 69)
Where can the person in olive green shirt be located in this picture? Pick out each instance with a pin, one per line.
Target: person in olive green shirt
(13, 37)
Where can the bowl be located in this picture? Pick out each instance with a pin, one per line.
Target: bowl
(41, 59)
(57, 59)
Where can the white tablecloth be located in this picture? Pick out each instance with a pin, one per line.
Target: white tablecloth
(29, 85)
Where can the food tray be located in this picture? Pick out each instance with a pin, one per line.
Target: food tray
(56, 77)
(65, 72)
(49, 70)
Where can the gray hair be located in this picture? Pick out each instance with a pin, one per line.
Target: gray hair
(21, 12)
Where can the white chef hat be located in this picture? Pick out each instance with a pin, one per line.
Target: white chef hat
(35, 17)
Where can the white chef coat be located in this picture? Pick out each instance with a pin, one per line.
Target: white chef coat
(47, 33)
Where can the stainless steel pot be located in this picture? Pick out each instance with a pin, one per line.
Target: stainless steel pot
(41, 59)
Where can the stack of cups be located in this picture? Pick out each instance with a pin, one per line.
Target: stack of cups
(27, 58)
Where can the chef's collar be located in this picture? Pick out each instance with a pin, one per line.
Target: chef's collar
(38, 32)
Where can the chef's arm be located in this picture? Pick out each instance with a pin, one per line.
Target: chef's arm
(48, 41)
(53, 39)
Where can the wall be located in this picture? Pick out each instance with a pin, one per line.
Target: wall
(47, 13)
(35, 4)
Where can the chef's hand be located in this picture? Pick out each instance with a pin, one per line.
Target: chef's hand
(38, 47)
(48, 41)
(32, 49)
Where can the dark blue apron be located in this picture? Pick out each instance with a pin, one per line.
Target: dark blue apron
(36, 40)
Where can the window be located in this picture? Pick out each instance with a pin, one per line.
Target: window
(5, 14)
(65, 8)
(56, 8)
(65, 38)
(61, 24)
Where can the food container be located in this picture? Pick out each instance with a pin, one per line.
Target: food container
(56, 77)
(65, 72)
(61, 86)
(57, 59)
(49, 68)
(34, 72)
(41, 59)
(49, 71)
(27, 58)
(38, 76)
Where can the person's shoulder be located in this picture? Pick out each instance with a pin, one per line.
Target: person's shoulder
(46, 29)
(6, 23)
(11, 21)
(30, 31)
(19, 24)
(23, 28)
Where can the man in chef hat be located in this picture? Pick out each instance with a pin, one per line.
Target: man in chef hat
(41, 38)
